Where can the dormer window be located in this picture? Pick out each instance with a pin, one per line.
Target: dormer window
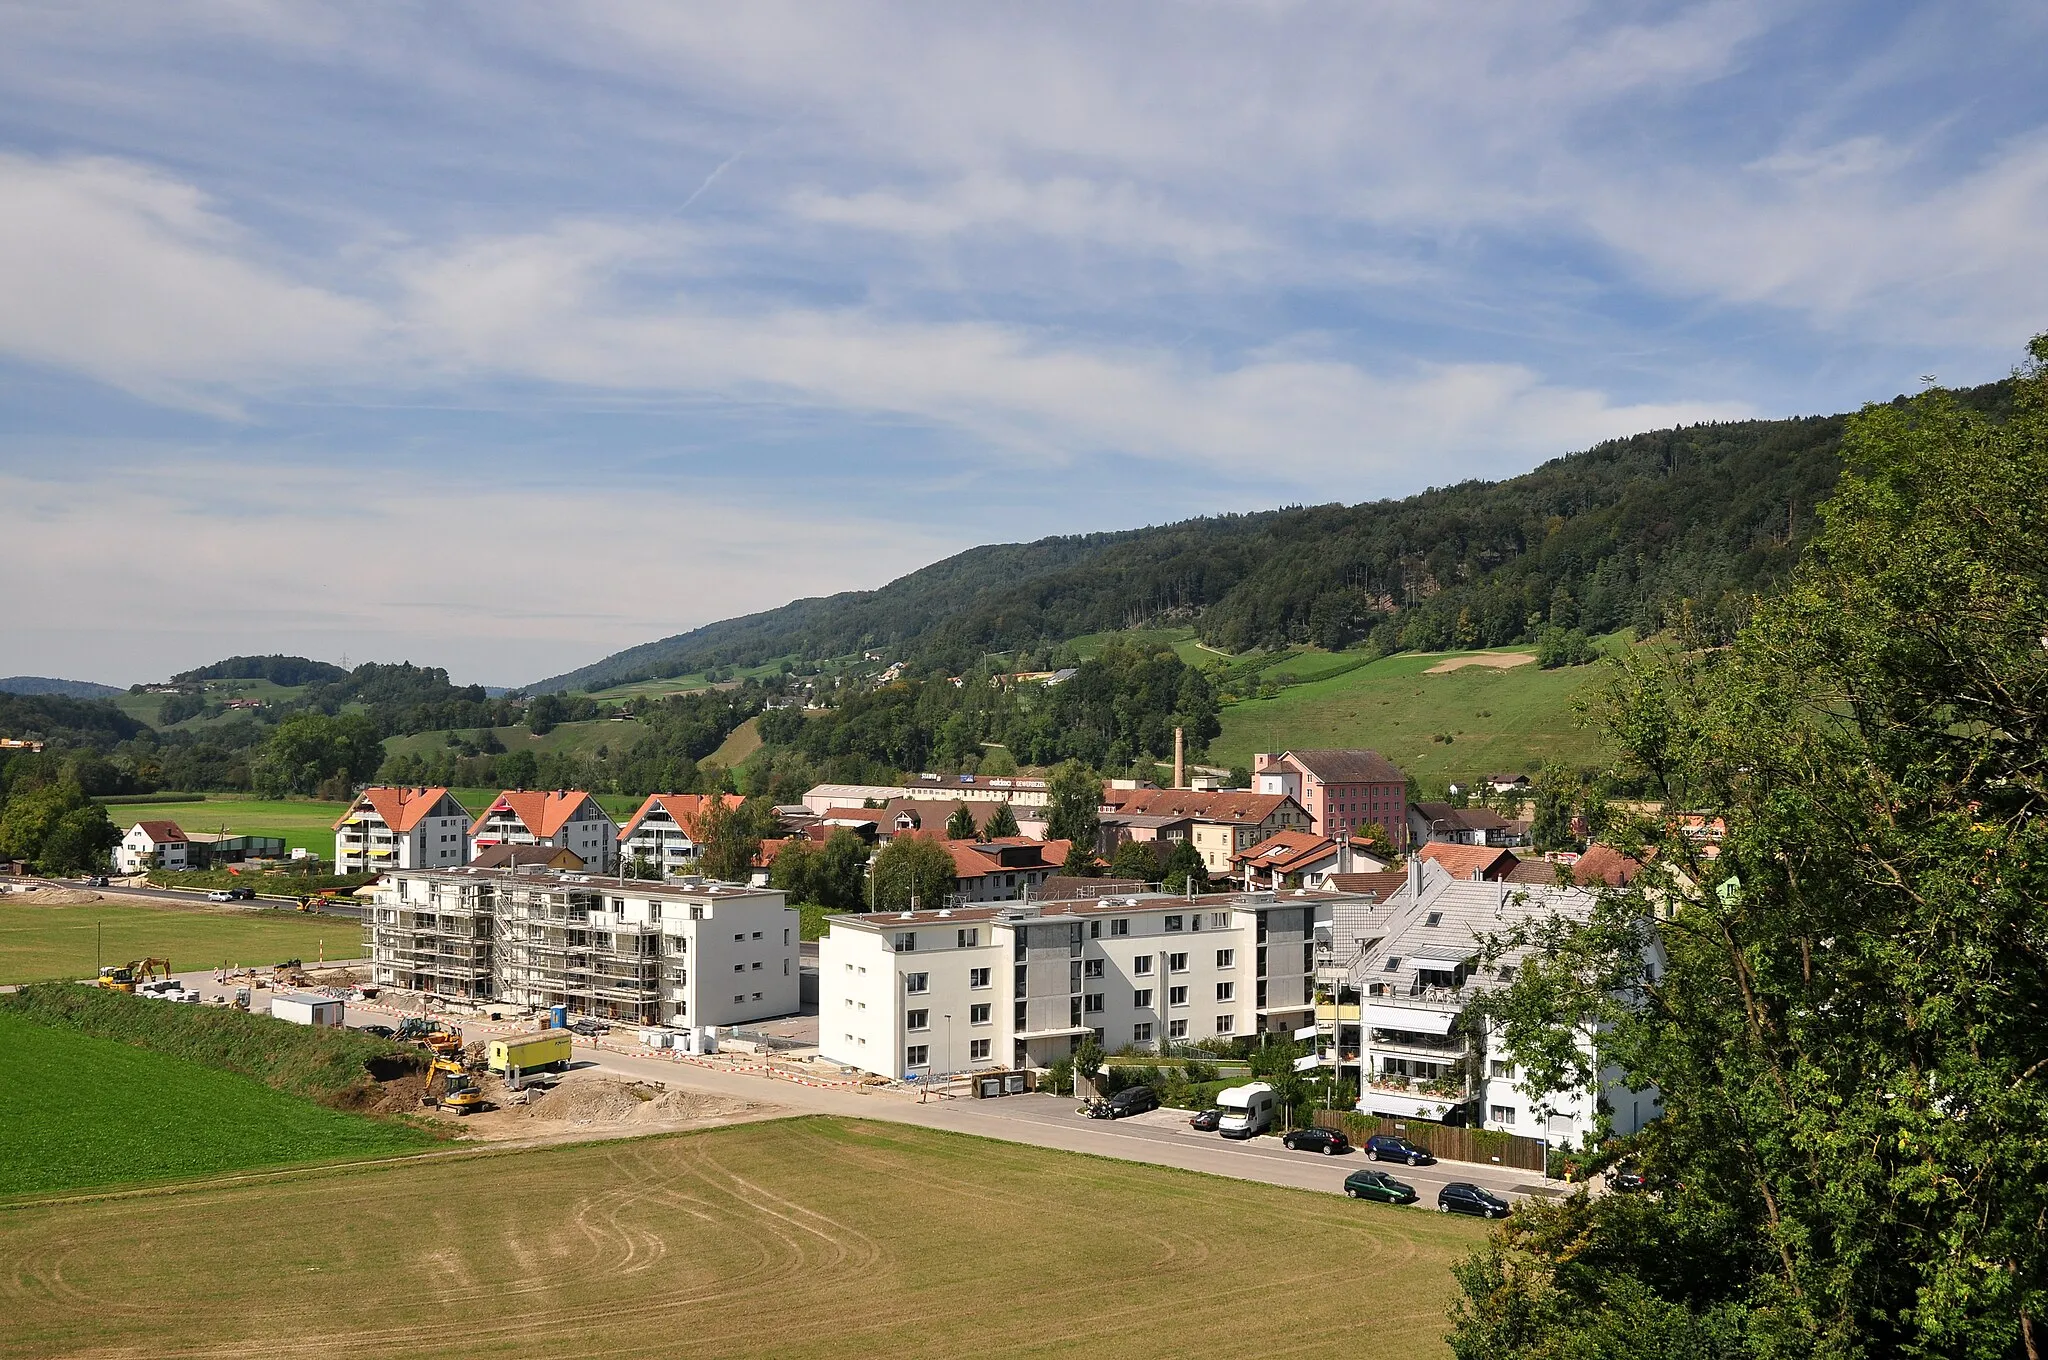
(1393, 963)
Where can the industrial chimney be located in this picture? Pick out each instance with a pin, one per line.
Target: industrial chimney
(1179, 761)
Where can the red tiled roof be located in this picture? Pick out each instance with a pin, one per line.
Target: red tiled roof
(1470, 861)
(161, 832)
(526, 857)
(969, 862)
(1379, 886)
(541, 812)
(1605, 864)
(401, 808)
(1348, 767)
(682, 808)
(1285, 851)
(1236, 808)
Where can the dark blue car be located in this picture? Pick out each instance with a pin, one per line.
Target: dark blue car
(1388, 1147)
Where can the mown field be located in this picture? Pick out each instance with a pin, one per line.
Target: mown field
(1505, 720)
(40, 942)
(303, 822)
(810, 1237)
(79, 1111)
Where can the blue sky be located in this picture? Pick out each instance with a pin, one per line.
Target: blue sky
(500, 336)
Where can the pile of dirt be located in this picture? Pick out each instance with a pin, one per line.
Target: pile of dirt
(617, 1102)
(56, 897)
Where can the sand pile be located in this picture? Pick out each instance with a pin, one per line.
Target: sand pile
(55, 897)
(618, 1102)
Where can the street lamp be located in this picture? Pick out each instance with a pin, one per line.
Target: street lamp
(949, 1045)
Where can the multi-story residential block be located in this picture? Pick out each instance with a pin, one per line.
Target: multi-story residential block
(565, 818)
(153, 845)
(1342, 791)
(640, 952)
(401, 828)
(930, 992)
(1221, 825)
(663, 832)
(1016, 790)
(1400, 977)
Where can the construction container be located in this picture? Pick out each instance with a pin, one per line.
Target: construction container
(322, 1011)
(530, 1052)
(657, 1038)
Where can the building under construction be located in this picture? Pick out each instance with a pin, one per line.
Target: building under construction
(688, 953)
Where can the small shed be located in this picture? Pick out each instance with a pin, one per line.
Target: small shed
(322, 1011)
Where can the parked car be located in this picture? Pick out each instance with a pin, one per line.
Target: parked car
(1329, 1142)
(1205, 1121)
(1626, 1180)
(98, 880)
(241, 894)
(381, 1031)
(1132, 1100)
(1378, 1185)
(1388, 1147)
(1463, 1197)
(220, 895)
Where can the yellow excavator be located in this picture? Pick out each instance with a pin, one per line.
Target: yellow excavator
(125, 977)
(450, 1086)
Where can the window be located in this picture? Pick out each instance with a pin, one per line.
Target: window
(1176, 1029)
(739, 968)
(1218, 920)
(978, 1015)
(1091, 1002)
(849, 1003)
(1500, 1114)
(919, 1019)
(916, 984)
(1393, 963)
(654, 911)
(1507, 972)
(1435, 918)
(1226, 1024)
(757, 996)
(906, 941)
(1120, 926)
(1141, 1034)
(1176, 963)
(739, 937)
(969, 938)
(1095, 930)
(1226, 991)
(1226, 958)
(1173, 923)
(1091, 968)
(785, 935)
(917, 1055)
(1141, 999)
(757, 967)
(977, 1050)
(1142, 965)
(1176, 996)
(1502, 1069)
(757, 934)
(739, 999)
(977, 977)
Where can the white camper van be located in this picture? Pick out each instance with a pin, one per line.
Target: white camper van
(1247, 1110)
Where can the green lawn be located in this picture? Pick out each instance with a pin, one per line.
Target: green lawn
(39, 942)
(808, 1237)
(1181, 640)
(78, 1111)
(303, 822)
(1506, 720)
(148, 707)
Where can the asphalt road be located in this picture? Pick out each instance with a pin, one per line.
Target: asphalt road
(352, 910)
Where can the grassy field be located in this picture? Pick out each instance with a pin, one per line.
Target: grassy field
(743, 742)
(78, 1111)
(149, 707)
(812, 1237)
(575, 738)
(1506, 720)
(1181, 640)
(304, 823)
(39, 942)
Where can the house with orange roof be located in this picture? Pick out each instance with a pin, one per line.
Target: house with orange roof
(568, 819)
(1299, 859)
(663, 831)
(1222, 823)
(401, 828)
(1474, 863)
(1005, 870)
(154, 845)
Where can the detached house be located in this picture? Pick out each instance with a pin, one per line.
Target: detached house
(1299, 859)
(1221, 824)
(663, 832)
(1463, 826)
(153, 845)
(567, 819)
(1005, 870)
(401, 828)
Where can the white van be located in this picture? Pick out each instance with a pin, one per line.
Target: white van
(1247, 1110)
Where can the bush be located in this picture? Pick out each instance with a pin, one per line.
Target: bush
(1564, 647)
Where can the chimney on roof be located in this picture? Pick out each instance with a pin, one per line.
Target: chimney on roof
(1179, 760)
(1415, 877)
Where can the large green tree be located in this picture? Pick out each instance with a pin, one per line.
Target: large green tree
(57, 829)
(1073, 804)
(913, 868)
(1851, 1031)
(308, 750)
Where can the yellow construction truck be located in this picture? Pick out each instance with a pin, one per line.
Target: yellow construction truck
(519, 1054)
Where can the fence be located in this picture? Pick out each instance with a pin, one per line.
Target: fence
(1452, 1145)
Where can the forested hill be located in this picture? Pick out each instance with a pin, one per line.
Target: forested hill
(43, 684)
(1625, 533)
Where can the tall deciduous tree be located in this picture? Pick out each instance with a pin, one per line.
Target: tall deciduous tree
(1073, 804)
(913, 868)
(1851, 1036)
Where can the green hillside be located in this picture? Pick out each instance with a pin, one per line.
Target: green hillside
(1506, 720)
(581, 739)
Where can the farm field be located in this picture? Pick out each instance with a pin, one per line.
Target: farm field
(1181, 640)
(743, 742)
(79, 1111)
(40, 941)
(572, 738)
(806, 1237)
(619, 805)
(1498, 719)
(302, 822)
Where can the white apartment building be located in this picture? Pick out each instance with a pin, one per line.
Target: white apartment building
(930, 992)
(1399, 975)
(1018, 791)
(639, 952)
(401, 828)
(663, 832)
(567, 819)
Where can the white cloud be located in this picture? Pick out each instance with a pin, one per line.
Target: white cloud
(187, 561)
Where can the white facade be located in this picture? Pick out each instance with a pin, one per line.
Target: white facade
(389, 828)
(1024, 984)
(1019, 792)
(642, 952)
(1404, 973)
(153, 845)
(321, 1011)
(564, 820)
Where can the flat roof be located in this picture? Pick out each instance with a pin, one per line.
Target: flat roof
(553, 880)
(1023, 913)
